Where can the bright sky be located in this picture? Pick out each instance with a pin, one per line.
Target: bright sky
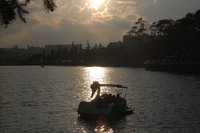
(94, 20)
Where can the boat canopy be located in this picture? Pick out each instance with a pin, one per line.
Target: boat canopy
(114, 85)
(96, 86)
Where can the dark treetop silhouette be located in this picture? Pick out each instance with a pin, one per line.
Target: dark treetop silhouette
(12, 9)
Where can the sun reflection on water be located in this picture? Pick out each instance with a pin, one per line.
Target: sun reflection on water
(94, 74)
(103, 128)
(95, 127)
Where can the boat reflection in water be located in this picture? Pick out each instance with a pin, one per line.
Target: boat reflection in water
(100, 124)
(102, 128)
(96, 126)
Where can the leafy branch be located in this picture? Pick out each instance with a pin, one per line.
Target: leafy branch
(12, 9)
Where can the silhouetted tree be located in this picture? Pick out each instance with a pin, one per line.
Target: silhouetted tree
(187, 30)
(12, 9)
(133, 31)
(95, 47)
(138, 29)
(164, 27)
(153, 29)
(100, 46)
(141, 24)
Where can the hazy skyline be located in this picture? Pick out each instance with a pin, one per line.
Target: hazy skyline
(81, 20)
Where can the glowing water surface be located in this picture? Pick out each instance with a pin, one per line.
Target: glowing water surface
(45, 100)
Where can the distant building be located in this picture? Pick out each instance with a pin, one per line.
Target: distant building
(36, 55)
(115, 44)
(66, 47)
(13, 56)
(34, 50)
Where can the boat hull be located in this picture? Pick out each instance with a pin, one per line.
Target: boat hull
(91, 109)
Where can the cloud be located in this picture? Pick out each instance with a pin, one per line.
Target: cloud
(73, 20)
(67, 31)
(77, 20)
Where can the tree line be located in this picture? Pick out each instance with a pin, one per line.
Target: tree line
(162, 38)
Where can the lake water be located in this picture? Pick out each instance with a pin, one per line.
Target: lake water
(45, 100)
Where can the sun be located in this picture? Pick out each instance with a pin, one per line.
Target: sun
(95, 4)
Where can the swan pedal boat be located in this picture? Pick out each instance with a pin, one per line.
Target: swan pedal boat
(106, 104)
